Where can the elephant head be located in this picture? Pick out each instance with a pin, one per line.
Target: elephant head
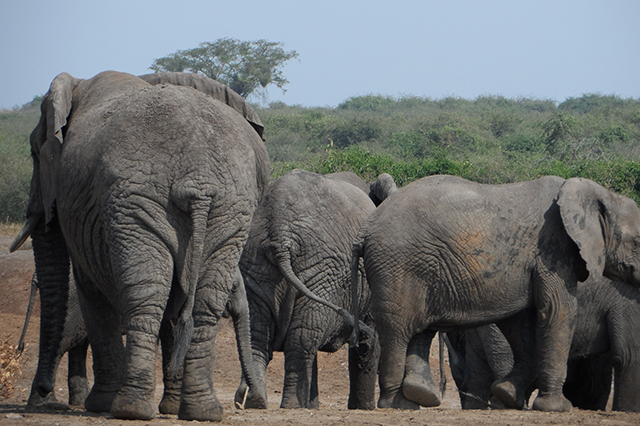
(606, 228)
(382, 188)
(46, 145)
(49, 247)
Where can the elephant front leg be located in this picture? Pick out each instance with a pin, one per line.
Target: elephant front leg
(135, 400)
(105, 337)
(418, 385)
(556, 320)
(198, 400)
(77, 378)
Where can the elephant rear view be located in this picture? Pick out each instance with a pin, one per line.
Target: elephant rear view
(149, 190)
(444, 253)
(296, 268)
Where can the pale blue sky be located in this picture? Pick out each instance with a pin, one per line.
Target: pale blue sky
(547, 49)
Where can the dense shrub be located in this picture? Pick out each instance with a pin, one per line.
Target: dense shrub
(491, 139)
(15, 157)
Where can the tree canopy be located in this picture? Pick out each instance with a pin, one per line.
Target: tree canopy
(244, 66)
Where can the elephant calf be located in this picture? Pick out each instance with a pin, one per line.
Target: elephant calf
(444, 253)
(606, 338)
(296, 266)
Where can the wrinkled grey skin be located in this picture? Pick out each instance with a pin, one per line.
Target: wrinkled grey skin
(444, 253)
(238, 308)
(149, 190)
(300, 240)
(74, 342)
(606, 339)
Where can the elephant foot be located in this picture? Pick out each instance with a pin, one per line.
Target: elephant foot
(49, 401)
(170, 403)
(209, 411)
(247, 398)
(133, 404)
(552, 403)
(495, 404)
(78, 391)
(507, 394)
(397, 401)
(293, 403)
(421, 391)
(359, 402)
(99, 401)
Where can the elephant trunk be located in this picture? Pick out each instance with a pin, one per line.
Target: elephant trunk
(52, 269)
(241, 324)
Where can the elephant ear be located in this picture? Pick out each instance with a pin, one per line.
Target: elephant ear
(584, 211)
(46, 144)
(211, 88)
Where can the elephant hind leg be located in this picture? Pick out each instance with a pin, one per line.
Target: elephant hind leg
(418, 385)
(144, 293)
(198, 400)
(105, 337)
(300, 388)
(392, 371)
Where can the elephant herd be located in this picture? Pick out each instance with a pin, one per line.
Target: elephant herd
(152, 216)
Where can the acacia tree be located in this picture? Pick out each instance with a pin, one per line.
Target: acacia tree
(244, 66)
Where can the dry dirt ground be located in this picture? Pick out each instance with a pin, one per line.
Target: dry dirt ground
(15, 273)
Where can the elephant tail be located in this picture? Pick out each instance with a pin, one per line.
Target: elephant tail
(283, 260)
(198, 205)
(356, 254)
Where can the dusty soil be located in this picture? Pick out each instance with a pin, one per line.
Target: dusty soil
(15, 275)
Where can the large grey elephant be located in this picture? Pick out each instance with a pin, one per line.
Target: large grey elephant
(148, 186)
(444, 253)
(606, 339)
(296, 266)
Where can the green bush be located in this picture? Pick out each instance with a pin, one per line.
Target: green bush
(490, 139)
(15, 157)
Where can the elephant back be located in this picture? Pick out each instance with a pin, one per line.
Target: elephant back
(211, 88)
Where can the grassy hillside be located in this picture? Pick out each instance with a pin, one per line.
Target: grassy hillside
(15, 159)
(490, 139)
